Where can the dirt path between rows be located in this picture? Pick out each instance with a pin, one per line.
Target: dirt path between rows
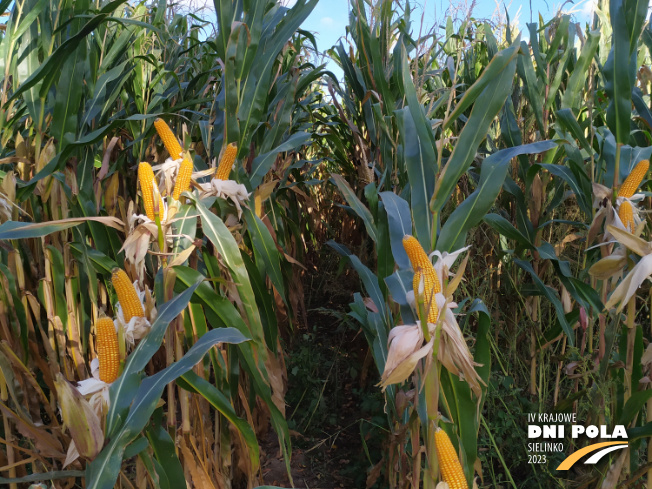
(331, 403)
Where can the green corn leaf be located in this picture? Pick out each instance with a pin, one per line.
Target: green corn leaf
(185, 225)
(367, 277)
(627, 19)
(27, 32)
(155, 470)
(633, 434)
(98, 103)
(217, 232)
(18, 312)
(220, 402)
(68, 98)
(565, 173)
(461, 407)
(491, 71)
(531, 83)
(485, 109)
(358, 207)
(507, 229)
(22, 230)
(420, 164)
(567, 120)
(551, 295)
(634, 405)
(266, 248)
(54, 475)
(103, 471)
(165, 452)
(571, 97)
(400, 224)
(256, 86)
(124, 388)
(136, 447)
(492, 175)
(371, 285)
(399, 284)
(49, 67)
(249, 354)
(262, 163)
(642, 108)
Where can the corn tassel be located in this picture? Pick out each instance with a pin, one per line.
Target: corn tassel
(147, 184)
(107, 349)
(169, 139)
(449, 464)
(422, 266)
(182, 183)
(226, 162)
(626, 215)
(634, 179)
(127, 295)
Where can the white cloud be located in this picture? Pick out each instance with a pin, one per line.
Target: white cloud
(583, 8)
(327, 21)
(287, 3)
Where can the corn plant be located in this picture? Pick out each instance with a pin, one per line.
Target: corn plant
(163, 178)
(553, 80)
(188, 228)
(406, 164)
(580, 110)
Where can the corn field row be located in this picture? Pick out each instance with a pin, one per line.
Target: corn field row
(166, 179)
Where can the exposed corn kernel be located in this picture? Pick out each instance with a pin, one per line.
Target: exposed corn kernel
(108, 353)
(634, 179)
(127, 295)
(449, 464)
(169, 139)
(626, 215)
(182, 182)
(422, 266)
(147, 184)
(226, 162)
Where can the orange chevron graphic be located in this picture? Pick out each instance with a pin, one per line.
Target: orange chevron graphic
(575, 456)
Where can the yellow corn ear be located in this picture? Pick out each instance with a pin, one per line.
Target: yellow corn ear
(108, 352)
(182, 183)
(422, 266)
(449, 464)
(226, 162)
(111, 193)
(127, 295)
(147, 184)
(169, 139)
(626, 214)
(634, 179)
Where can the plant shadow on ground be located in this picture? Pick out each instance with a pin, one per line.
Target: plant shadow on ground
(335, 410)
